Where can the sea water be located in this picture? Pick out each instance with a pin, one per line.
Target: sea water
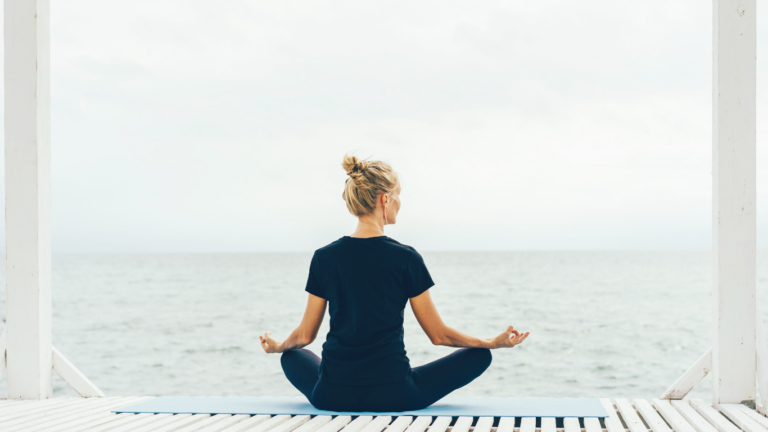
(603, 324)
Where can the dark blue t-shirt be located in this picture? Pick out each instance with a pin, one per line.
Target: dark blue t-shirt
(367, 282)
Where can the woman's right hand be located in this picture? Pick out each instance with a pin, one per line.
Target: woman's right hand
(269, 344)
(509, 338)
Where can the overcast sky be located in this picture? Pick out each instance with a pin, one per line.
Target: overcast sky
(199, 126)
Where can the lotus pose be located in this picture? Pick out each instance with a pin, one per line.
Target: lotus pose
(367, 278)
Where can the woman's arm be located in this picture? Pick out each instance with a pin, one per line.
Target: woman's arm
(440, 334)
(304, 334)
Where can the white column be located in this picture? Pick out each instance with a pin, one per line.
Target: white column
(28, 198)
(733, 216)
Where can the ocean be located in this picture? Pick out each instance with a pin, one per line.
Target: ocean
(603, 324)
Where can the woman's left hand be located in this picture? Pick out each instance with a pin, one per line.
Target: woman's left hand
(269, 344)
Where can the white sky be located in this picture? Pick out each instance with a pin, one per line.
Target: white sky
(199, 126)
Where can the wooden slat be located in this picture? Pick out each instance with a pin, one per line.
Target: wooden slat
(234, 420)
(119, 423)
(400, 424)
(161, 423)
(260, 426)
(314, 424)
(336, 424)
(548, 424)
(713, 417)
(742, 420)
(592, 424)
(152, 418)
(631, 419)
(670, 414)
(441, 424)
(506, 424)
(93, 422)
(651, 417)
(94, 417)
(484, 424)
(420, 424)
(378, 424)
(528, 424)
(612, 422)
(5, 404)
(28, 421)
(201, 425)
(80, 420)
(754, 415)
(30, 406)
(358, 424)
(694, 419)
(40, 407)
(690, 378)
(462, 424)
(76, 416)
(174, 426)
(291, 424)
(570, 424)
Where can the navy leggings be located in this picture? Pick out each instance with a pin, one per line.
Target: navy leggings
(426, 385)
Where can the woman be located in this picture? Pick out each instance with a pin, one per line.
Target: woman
(368, 278)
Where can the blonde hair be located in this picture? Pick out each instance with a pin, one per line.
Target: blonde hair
(367, 180)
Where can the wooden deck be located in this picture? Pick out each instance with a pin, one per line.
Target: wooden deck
(640, 415)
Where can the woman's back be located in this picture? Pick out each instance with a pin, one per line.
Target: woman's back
(367, 282)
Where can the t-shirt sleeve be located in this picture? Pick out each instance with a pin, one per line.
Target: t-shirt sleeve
(313, 281)
(417, 278)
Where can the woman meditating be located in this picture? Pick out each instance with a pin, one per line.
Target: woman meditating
(368, 278)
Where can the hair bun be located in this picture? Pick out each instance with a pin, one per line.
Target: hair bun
(352, 165)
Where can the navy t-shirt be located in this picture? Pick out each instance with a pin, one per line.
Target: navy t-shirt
(367, 282)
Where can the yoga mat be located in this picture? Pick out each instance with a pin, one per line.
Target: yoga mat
(457, 406)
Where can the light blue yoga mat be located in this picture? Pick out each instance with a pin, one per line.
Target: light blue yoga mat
(475, 407)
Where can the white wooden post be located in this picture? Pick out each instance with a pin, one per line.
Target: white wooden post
(733, 218)
(28, 199)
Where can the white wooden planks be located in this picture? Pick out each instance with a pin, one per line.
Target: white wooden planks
(592, 424)
(336, 424)
(174, 426)
(633, 422)
(570, 424)
(291, 424)
(742, 420)
(754, 415)
(670, 414)
(650, 416)
(93, 415)
(694, 419)
(462, 424)
(314, 424)
(420, 424)
(484, 424)
(440, 424)
(28, 420)
(357, 424)
(506, 424)
(528, 424)
(713, 417)
(613, 422)
(378, 424)
(548, 424)
(159, 423)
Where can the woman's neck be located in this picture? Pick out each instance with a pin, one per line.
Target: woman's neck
(368, 227)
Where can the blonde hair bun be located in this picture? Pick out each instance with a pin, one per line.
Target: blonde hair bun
(367, 180)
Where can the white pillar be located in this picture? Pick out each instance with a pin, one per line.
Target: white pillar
(733, 216)
(28, 198)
